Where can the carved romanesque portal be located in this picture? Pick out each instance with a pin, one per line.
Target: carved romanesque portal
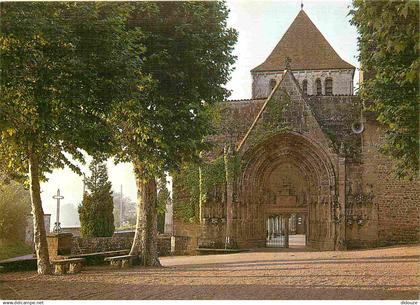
(291, 150)
(287, 174)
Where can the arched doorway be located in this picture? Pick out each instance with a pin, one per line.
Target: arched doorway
(286, 176)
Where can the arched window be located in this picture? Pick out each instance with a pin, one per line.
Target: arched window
(328, 86)
(305, 87)
(318, 86)
(272, 84)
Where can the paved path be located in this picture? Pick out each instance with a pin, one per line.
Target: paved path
(386, 273)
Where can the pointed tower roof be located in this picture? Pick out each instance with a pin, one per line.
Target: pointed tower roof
(306, 47)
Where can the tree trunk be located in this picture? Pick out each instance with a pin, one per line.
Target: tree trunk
(40, 236)
(145, 238)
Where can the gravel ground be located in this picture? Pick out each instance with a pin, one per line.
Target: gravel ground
(383, 273)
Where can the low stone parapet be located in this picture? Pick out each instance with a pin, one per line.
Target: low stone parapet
(65, 244)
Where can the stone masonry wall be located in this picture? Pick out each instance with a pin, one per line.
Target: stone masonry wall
(102, 244)
(397, 201)
(361, 211)
(191, 230)
(342, 81)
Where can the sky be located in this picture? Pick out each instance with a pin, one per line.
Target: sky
(260, 24)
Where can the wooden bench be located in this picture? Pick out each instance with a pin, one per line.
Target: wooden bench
(98, 257)
(100, 254)
(69, 265)
(122, 261)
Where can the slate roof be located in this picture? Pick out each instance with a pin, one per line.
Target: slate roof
(307, 48)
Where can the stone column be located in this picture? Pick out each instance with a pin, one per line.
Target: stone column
(286, 230)
(229, 195)
(340, 210)
(59, 244)
(200, 194)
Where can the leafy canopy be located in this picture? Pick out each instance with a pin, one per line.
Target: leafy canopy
(63, 66)
(188, 59)
(389, 44)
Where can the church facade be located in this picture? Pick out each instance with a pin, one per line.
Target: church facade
(301, 158)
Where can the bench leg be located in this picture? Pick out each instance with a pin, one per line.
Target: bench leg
(75, 268)
(126, 263)
(116, 264)
(61, 268)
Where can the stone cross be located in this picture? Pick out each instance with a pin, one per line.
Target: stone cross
(57, 227)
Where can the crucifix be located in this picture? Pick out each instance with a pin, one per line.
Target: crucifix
(57, 227)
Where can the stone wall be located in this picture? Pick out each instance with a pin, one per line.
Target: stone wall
(59, 244)
(181, 245)
(342, 81)
(64, 244)
(361, 210)
(190, 230)
(82, 245)
(336, 115)
(397, 201)
(368, 206)
(99, 244)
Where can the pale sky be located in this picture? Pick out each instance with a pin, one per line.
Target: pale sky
(260, 24)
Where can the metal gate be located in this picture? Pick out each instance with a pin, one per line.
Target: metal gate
(277, 231)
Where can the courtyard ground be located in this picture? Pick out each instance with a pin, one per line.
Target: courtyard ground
(383, 273)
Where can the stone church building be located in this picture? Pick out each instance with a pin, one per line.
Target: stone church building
(308, 161)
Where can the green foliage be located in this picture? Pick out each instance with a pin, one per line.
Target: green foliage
(14, 208)
(215, 172)
(272, 120)
(136, 79)
(389, 44)
(63, 66)
(188, 59)
(13, 248)
(213, 177)
(186, 196)
(96, 211)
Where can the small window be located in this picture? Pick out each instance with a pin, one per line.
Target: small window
(305, 87)
(272, 84)
(328, 86)
(318, 87)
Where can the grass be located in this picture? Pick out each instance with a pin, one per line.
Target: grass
(11, 249)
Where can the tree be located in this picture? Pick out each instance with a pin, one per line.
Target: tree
(96, 211)
(388, 44)
(188, 59)
(64, 65)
